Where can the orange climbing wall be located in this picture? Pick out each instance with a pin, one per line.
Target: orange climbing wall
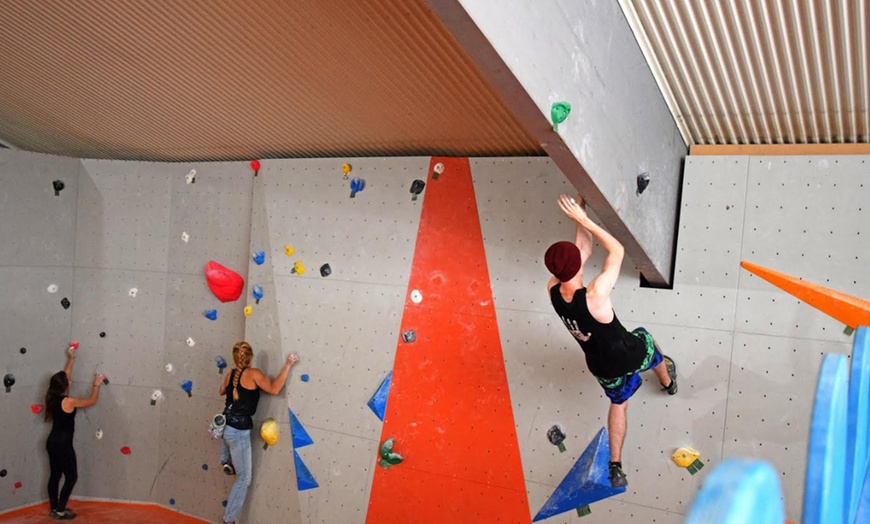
(449, 407)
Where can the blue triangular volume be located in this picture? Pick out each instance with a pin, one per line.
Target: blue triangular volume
(301, 438)
(304, 479)
(378, 402)
(587, 482)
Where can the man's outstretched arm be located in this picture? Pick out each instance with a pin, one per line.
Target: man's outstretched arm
(583, 236)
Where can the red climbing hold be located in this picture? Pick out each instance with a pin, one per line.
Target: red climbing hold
(17, 485)
(255, 165)
(36, 408)
(125, 450)
(225, 283)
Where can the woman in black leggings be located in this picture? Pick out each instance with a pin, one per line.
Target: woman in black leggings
(61, 410)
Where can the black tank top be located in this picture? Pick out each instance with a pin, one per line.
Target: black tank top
(239, 412)
(63, 424)
(610, 350)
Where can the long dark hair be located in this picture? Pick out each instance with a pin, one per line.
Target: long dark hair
(56, 388)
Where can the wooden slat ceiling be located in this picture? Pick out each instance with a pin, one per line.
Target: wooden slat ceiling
(203, 80)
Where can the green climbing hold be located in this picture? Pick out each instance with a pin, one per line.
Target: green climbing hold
(388, 458)
(559, 112)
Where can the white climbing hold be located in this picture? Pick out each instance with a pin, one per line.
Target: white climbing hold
(52, 288)
(191, 177)
(191, 342)
(439, 168)
(169, 368)
(416, 296)
(573, 201)
(133, 292)
(99, 434)
(156, 397)
(185, 237)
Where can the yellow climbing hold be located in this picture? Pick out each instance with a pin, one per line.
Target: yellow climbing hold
(346, 169)
(269, 432)
(688, 458)
(288, 250)
(298, 268)
(248, 311)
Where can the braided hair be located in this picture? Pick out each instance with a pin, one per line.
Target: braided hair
(242, 356)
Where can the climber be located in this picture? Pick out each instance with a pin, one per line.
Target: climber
(61, 409)
(615, 356)
(242, 389)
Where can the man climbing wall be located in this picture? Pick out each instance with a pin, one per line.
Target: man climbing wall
(615, 356)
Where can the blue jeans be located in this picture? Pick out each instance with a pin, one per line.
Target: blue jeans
(236, 449)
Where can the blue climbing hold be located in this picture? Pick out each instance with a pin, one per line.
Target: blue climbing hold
(304, 377)
(260, 257)
(205, 467)
(187, 386)
(171, 502)
(304, 479)
(221, 363)
(587, 482)
(211, 314)
(301, 438)
(356, 185)
(378, 402)
(257, 293)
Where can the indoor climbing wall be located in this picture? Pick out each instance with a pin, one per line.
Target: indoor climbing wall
(37, 234)
(345, 325)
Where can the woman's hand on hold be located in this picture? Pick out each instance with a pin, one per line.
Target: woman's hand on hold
(292, 359)
(99, 378)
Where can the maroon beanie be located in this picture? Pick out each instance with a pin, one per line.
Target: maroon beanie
(563, 260)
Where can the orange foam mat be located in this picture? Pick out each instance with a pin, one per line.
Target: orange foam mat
(449, 405)
(94, 512)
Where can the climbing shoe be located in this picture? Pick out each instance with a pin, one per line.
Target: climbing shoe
(62, 515)
(617, 477)
(672, 373)
(229, 469)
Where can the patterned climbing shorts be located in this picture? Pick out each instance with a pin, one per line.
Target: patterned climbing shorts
(620, 389)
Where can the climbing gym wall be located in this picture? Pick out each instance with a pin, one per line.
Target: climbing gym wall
(37, 234)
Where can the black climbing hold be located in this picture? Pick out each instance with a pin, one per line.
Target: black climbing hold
(102, 334)
(58, 187)
(555, 435)
(2, 472)
(9, 381)
(417, 188)
(65, 303)
(409, 336)
(105, 381)
(23, 350)
(325, 270)
(642, 182)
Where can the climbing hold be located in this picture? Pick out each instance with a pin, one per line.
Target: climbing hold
(99, 434)
(226, 284)
(269, 432)
(356, 185)
(205, 467)
(191, 342)
(642, 182)
(556, 437)
(688, 458)
(126, 450)
(259, 257)
(36, 408)
(416, 296)
(185, 237)
(304, 378)
(409, 336)
(325, 270)
(156, 397)
(65, 303)
(298, 268)
(388, 458)
(257, 293)
(58, 187)
(439, 168)
(9, 381)
(346, 169)
(17, 485)
(255, 165)
(102, 334)
(105, 381)
(211, 314)
(559, 112)
(170, 368)
(2, 472)
(378, 402)
(248, 311)
(224, 503)
(301, 438)
(191, 177)
(288, 250)
(304, 479)
(171, 502)
(417, 188)
(133, 292)
(74, 344)
(187, 386)
(221, 364)
(52, 288)
(23, 350)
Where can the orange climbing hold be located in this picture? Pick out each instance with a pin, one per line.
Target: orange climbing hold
(849, 310)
